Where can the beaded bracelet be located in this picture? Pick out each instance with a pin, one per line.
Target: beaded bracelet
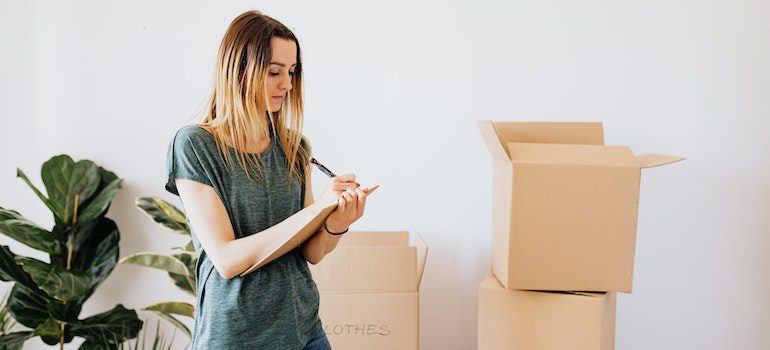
(335, 234)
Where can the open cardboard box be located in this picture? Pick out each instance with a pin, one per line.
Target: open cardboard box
(564, 206)
(540, 320)
(369, 288)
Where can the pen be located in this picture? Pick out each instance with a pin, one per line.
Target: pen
(329, 173)
(321, 167)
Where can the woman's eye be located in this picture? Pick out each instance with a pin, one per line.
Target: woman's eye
(275, 74)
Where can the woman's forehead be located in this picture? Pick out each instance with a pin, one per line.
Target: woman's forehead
(284, 52)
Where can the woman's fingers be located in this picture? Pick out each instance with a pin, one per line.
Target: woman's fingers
(349, 206)
(341, 203)
(342, 186)
(343, 182)
(345, 178)
(361, 202)
(350, 195)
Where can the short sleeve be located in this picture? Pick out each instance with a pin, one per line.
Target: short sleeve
(186, 158)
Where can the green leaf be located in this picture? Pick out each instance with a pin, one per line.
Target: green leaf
(189, 247)
(100, 203)
(26, 307)
(185, 282)
(64, 179)
(9, 214)
(98, 345)
(114, 326)
(164, 213)
(97, 253)
(158, 261)
(11, 271)
(45, 200)
(188, 259)
(27, 232)
(56, 281)
(105, 258)
(14, 341)
(63, 312)
(178, 324)
(173, 307)
(49, 331)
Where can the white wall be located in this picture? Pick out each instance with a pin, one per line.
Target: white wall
(393, 92)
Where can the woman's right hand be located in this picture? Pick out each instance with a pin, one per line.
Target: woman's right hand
(339, 185)
(349, 209)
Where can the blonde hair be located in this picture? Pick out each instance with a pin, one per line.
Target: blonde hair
(239, 110)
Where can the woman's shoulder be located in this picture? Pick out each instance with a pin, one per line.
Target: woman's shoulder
(194, 137)
(194, 133)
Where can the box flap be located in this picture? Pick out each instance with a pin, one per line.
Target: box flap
(581, 133)
(422, 256)
(570, 154)
(369, 261)
(497, 134)
(650, 160)
(493, 142)
(375, 238)
(491, 283)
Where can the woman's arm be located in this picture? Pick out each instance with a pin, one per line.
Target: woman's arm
(211, 224)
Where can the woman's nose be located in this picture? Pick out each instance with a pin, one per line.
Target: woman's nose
(285, 82)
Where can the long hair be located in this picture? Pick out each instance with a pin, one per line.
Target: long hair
(238, 110)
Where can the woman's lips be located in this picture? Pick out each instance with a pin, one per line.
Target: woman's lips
(278, 98)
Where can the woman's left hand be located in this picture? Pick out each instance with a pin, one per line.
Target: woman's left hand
(350, 207)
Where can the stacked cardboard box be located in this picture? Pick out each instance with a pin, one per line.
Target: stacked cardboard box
(564, 217)
(369, 288)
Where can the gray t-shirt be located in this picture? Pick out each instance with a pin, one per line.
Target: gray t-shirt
(274, 307)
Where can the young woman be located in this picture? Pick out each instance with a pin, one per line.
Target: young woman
(235, 209)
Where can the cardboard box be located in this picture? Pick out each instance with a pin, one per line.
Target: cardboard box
(369, 288)
(536, 320)
(564, 206)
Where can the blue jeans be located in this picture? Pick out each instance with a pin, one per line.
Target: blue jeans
(319, 342)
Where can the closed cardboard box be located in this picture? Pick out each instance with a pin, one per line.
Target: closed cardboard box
(540, 320)
(369, 288)
(565, 206)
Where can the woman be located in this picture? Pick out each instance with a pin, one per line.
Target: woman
(234, 209)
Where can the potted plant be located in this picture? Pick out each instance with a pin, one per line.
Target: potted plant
(82, 246)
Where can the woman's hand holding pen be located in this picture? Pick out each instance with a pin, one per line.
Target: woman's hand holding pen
(351, 201)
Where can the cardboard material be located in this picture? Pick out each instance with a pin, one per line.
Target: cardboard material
(564, 206)
(369, 288)
(372, 321)
(536, 320)
(373, 262)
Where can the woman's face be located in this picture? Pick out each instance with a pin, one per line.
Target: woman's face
(282, 65)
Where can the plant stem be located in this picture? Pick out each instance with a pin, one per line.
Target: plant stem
(69, 259)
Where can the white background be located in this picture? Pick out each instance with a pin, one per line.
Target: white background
(393, 90)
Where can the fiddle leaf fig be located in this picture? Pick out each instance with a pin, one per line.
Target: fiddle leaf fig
(83, 248)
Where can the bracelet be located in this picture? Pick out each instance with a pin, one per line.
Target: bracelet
(335, 234)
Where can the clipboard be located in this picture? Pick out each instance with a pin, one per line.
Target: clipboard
(315, 221)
